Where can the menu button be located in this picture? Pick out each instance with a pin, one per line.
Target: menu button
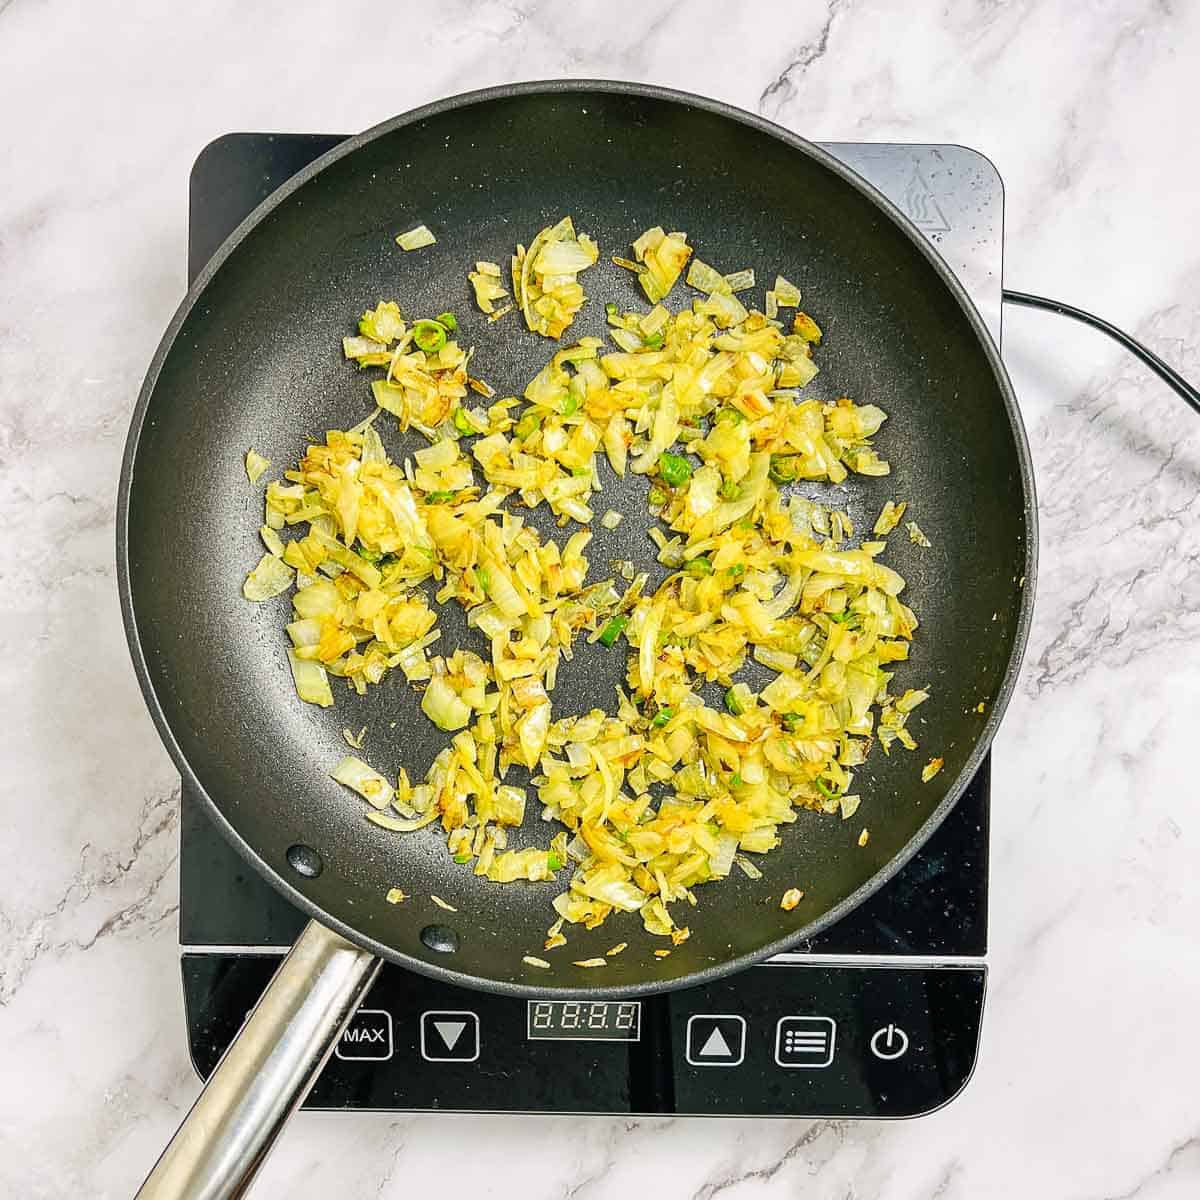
(806, 1042)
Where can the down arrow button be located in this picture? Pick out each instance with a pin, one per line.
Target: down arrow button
(449, 1036)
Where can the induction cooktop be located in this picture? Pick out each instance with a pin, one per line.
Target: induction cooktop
(877, 1016)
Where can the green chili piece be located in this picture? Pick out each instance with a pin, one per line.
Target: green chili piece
(429, 336)
(612, 631)
(528, 425)
(825, 791)
(674, 469)
(783, 468)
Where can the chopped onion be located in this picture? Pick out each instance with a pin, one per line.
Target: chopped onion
(256, 465)
(705, 278)
(369, 784)
(270, 578)
(544, 282)
(720, 862)
(669, 791)
(747, 867)
(487, 290)
(402, 824)
(740, 281)
(916, 536)
(312, 683)
(787, 295)
(443, 706)
(272, 541)
(664, 255)
(889, 517)
(416, 238)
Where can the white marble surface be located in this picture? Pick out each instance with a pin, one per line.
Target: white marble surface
(1087, 1084)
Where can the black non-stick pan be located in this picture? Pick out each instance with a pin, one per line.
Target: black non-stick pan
(252, 358)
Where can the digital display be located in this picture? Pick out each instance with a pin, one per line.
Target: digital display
(584, 1020)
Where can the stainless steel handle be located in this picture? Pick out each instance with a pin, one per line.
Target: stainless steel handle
(266, 1072)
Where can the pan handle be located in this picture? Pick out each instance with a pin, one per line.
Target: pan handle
(267, 1070)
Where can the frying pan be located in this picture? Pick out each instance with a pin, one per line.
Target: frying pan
(252, 358)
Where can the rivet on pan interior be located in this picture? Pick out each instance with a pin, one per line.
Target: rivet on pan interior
(441, 938)
(304, 860)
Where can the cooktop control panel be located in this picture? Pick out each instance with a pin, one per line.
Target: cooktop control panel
(784, 1039)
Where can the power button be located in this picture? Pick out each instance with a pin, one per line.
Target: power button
(889, 1043)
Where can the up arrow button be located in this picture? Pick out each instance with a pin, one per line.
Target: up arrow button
(716, 1040)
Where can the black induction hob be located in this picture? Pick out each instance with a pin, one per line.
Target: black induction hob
(877, 1016)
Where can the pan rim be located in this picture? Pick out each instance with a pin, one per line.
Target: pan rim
(795, 142)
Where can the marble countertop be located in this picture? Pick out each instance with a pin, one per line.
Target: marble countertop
(1086, 1086)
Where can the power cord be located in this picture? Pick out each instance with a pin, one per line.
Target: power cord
(1163, 370)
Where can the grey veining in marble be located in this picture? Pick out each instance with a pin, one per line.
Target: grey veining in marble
(1086, 1087)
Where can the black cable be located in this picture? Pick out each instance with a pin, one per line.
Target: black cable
(1163, 370)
